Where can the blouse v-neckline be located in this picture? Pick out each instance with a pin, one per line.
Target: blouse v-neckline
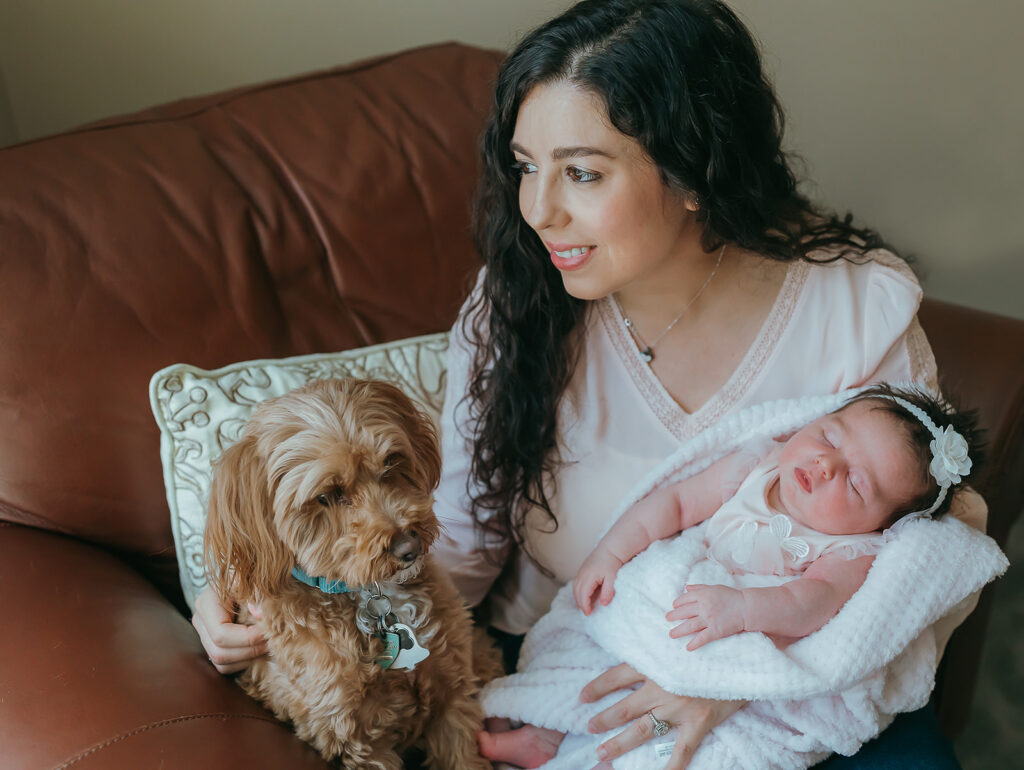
(678, 421)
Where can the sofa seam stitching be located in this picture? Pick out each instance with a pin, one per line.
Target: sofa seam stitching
(162, 723)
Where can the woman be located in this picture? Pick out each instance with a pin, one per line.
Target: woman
(649, 268)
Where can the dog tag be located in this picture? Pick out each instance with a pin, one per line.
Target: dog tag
(410, 652)
(392, 648)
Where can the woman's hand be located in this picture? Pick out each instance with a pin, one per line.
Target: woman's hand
(693, 718)
(230, 646)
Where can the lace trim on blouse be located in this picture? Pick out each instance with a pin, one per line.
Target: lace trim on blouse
(679, 422)
(922, 359)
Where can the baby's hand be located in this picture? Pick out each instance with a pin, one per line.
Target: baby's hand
(709, 612)
(595, 578)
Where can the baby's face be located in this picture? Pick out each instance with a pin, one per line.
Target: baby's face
(848, 472)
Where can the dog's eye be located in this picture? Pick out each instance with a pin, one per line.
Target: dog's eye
(333, 496)
(390, 463)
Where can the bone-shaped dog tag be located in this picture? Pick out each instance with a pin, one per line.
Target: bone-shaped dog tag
(411, 652)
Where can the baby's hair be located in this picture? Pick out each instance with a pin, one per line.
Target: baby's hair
(943, 414)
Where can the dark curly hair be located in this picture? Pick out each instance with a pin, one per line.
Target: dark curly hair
(684, 79)
(942, 414)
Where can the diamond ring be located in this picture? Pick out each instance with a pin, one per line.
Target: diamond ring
(660, 725)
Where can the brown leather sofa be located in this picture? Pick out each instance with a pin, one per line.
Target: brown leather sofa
(320, 213)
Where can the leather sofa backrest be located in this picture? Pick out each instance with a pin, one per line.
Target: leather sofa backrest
(319, 213)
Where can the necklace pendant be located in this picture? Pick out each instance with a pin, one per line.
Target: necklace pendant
(647, 351)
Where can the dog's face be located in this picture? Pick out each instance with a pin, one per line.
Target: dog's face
(337, 478)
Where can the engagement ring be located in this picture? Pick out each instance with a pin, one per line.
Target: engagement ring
(660, 726)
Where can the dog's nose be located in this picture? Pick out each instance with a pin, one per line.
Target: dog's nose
(406, 547)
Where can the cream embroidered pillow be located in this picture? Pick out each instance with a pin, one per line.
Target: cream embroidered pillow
(201, 412)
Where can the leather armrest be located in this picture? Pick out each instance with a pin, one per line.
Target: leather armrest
(981, 365)
(97, 669)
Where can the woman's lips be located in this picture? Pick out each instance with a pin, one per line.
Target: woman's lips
(803, 479)
(568, 256)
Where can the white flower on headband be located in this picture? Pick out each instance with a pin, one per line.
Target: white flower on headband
(950, 461)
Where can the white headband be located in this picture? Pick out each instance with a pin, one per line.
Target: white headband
(950, 461)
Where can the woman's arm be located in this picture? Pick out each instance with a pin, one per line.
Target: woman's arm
(907, 355)
(789, 611)
(472, 564)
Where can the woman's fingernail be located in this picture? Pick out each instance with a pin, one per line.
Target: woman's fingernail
(602, 753)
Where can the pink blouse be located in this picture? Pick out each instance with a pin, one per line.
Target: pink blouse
(833, 326)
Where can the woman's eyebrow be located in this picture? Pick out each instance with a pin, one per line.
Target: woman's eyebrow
(561, 153)
(516, 147)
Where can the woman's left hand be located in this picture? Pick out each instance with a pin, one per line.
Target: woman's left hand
(693, 718)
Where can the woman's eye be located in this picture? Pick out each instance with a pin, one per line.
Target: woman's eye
(577, 174)
(522, 167)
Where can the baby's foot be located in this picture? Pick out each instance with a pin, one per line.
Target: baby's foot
(497, 725)
(528, 747)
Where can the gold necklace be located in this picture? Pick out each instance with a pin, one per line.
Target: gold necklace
(647, 350)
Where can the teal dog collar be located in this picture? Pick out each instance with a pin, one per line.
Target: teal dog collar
(321, 583)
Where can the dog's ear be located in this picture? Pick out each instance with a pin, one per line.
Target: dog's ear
(244, 557)
(426, 449)
(426, 452)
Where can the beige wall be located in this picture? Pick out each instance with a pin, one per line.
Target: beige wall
(908, 112)
(72, 61)
(8, 133)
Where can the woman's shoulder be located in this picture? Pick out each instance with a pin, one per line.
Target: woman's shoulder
(853, 321)
(470, 314)
(875, 280)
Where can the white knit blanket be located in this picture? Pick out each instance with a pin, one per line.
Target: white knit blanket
(829, 692)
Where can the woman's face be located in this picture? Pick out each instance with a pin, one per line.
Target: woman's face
(596, 199)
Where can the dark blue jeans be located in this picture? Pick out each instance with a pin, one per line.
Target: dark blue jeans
(913, 741)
